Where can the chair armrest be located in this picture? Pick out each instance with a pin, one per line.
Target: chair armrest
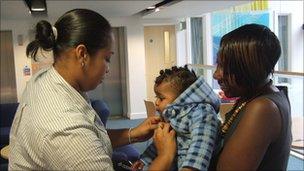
(127, 152)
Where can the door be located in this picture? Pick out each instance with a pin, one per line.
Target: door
(160, 49)
(8, 77)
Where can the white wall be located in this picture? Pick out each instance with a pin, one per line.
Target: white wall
(295, 9)
(158, 22)
(136, 81)
(136, 73)
(19, 27)
(181, 47)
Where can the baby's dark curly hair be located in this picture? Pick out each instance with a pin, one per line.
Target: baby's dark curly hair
(179, 77)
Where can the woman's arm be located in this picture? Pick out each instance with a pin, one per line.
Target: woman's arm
(118, 137)
(165, 143)
(142, 132)
(260, 125)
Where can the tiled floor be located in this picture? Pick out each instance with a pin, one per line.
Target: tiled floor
(295, 163)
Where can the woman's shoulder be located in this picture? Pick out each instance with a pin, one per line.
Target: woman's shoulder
(264, 112)
(262, 108)
(262, 105)
(268, 104)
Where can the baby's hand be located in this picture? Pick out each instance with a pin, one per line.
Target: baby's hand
(138, 165)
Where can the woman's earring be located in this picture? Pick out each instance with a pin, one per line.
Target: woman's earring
(82, 64)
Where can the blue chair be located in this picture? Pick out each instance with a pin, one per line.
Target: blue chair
(7, 113)
(127, 152)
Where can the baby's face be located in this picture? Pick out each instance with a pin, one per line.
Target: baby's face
(165, 94)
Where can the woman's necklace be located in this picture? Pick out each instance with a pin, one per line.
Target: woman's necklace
(226, 125)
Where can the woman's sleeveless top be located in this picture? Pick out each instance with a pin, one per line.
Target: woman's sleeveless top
(277, 154)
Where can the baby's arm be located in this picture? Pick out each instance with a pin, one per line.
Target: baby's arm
(203, 130)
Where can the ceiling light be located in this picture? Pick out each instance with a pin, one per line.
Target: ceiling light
(151, 7)
(38, 5)
(38, 9)
(157, 7)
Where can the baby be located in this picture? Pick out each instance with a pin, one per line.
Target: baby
(191, 107)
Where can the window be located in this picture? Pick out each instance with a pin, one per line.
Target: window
(196, 40)
(283, 33)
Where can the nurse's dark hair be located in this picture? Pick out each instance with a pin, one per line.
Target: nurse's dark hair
(180, 78)
(248, 54)
(78, 26)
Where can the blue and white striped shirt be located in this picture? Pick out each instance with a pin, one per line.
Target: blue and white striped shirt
(55, 128)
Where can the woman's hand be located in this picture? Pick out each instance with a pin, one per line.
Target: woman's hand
(165, 143)
(164, 140)
(145, 130)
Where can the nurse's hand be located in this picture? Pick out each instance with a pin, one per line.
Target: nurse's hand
(138, 165)
(145, 130)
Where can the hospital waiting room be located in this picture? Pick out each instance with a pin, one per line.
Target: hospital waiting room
(152, 85)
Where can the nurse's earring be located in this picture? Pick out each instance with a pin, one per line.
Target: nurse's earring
(84, 58)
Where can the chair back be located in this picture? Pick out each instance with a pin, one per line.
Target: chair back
(284, 89)
(102, 109)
